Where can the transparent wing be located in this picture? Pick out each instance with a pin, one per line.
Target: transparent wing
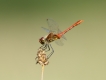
(53, 26)
(59, 42)
(62, 35)
(47, 30)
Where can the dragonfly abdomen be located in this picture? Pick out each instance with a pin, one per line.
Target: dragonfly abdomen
(65, 31)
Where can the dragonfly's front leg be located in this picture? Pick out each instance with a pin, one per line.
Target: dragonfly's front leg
(48, 47)
(44, 46)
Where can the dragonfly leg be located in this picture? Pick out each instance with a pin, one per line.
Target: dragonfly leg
(48, 48)
(44, 47)
(51, 52)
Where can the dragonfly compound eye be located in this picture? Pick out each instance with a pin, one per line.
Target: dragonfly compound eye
(42, 40)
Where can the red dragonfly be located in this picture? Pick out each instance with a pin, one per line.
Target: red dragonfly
(54, 35)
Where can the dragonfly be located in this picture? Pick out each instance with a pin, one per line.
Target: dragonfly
(54, 34)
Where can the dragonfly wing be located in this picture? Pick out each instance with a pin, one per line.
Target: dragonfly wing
(62, 35)
(47, 30)
(53, 26)
(59, 42)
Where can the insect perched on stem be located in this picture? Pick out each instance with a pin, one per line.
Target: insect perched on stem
(54, 34)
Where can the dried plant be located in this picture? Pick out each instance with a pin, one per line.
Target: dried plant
(41, 59)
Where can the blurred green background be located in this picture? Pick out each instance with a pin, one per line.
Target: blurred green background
(83, 56)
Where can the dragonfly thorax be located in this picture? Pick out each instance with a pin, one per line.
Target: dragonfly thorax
(48, 39)
(51, 37)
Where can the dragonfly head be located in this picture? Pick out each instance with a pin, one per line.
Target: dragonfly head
(42, 40)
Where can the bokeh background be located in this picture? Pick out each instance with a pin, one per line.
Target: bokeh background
(83, 56)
